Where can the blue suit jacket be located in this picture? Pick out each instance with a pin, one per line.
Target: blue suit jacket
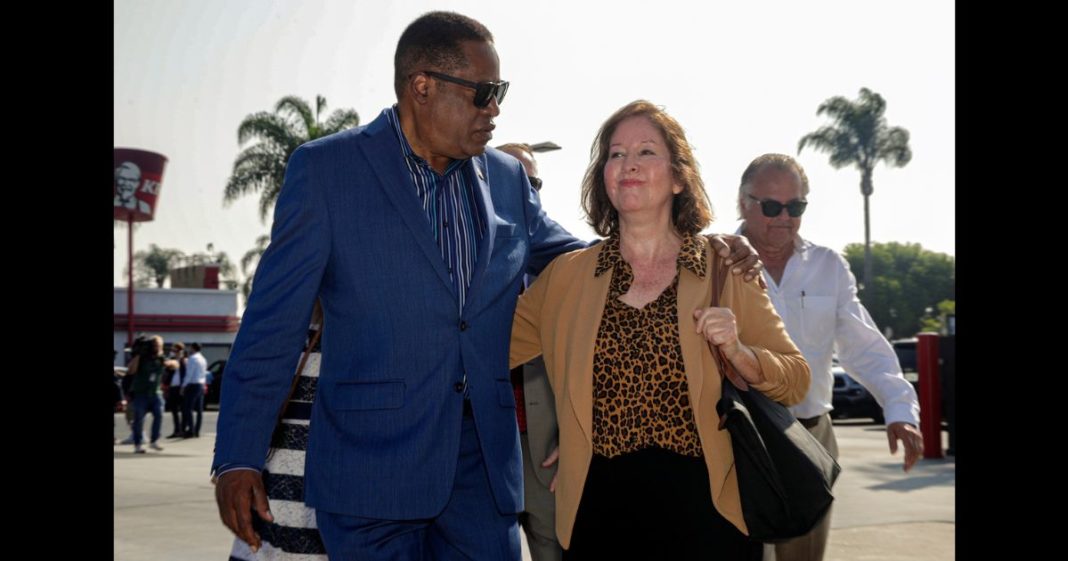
(385, 427)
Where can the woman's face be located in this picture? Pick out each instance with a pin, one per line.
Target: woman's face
(637, 175)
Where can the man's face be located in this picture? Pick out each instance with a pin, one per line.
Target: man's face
(126, 181)
(777, 185)
(454, 126)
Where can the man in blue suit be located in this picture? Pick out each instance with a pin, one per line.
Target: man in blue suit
(417, 261)
(415, 238)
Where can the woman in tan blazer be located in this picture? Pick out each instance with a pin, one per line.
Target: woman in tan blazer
(625, 328)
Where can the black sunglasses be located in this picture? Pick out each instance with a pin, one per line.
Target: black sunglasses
(483, 90)
(535, 182)
(771, 208)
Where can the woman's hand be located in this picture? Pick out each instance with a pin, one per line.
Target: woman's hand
(720, 328)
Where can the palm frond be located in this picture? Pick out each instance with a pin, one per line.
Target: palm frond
(261, 166)
(265, 127)
(893, 147)
(245, 183)
(840, 145)
(254, 253)
(296, 108)
(872, 102)
(838, 108)
(251, 172)
(340, 120)
(268, 198)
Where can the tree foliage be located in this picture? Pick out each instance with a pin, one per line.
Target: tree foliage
(906, 281)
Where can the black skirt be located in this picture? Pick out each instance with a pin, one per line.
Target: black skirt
(653, 504)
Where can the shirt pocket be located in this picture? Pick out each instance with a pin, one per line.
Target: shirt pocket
(818, 319)
(509, 253)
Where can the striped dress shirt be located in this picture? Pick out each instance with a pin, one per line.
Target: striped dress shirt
(451, 206)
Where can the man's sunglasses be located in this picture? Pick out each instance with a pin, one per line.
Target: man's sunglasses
(483, 90)
(771, 209)
(535, 182)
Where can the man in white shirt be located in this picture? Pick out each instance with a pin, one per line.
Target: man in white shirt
(816, 295)
(193, 387)
(538, 430)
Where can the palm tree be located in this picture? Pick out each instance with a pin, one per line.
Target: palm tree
(262, 166)
(154, 265)
(861, 137)
(251, 260)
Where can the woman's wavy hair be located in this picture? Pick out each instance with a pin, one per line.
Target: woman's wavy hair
(691, 211)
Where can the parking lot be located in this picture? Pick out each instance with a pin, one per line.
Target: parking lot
(165, 506)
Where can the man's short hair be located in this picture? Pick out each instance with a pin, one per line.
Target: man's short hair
(775, 161)
(194, 346)
(434, 42)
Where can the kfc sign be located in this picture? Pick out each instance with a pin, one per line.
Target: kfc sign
(138, 174)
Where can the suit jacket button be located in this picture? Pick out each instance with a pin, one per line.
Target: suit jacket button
(459, 387)
(463, 326)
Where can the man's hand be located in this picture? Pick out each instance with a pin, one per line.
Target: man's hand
(237, 493)
(911, 438)
(737, 251)
(553, 456)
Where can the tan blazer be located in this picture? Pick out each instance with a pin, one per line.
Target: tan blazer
(559, 316)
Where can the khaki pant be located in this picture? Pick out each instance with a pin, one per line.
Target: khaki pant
(539, 517)
(811, 546)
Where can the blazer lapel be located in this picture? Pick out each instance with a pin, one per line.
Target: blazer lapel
(702, 376)
(479, 174)
(383, 152)
(581, 340)
(694, 292)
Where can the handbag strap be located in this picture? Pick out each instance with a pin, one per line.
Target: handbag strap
(718, 274)
(300, 369)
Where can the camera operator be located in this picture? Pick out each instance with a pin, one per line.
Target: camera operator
(147, 367)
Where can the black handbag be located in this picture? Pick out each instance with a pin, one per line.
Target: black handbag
(784, 474)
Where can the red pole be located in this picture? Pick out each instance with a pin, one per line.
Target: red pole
(130, 283)
(930, 394)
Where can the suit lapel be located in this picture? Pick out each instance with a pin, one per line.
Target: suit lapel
(383, 152)
(479, 173)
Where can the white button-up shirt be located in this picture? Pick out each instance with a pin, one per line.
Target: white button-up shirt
(196, 370)
(817, 300)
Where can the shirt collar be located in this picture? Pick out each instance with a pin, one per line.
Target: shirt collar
(406, 149)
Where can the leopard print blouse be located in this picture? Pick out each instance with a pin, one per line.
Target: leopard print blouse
(640, 395)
